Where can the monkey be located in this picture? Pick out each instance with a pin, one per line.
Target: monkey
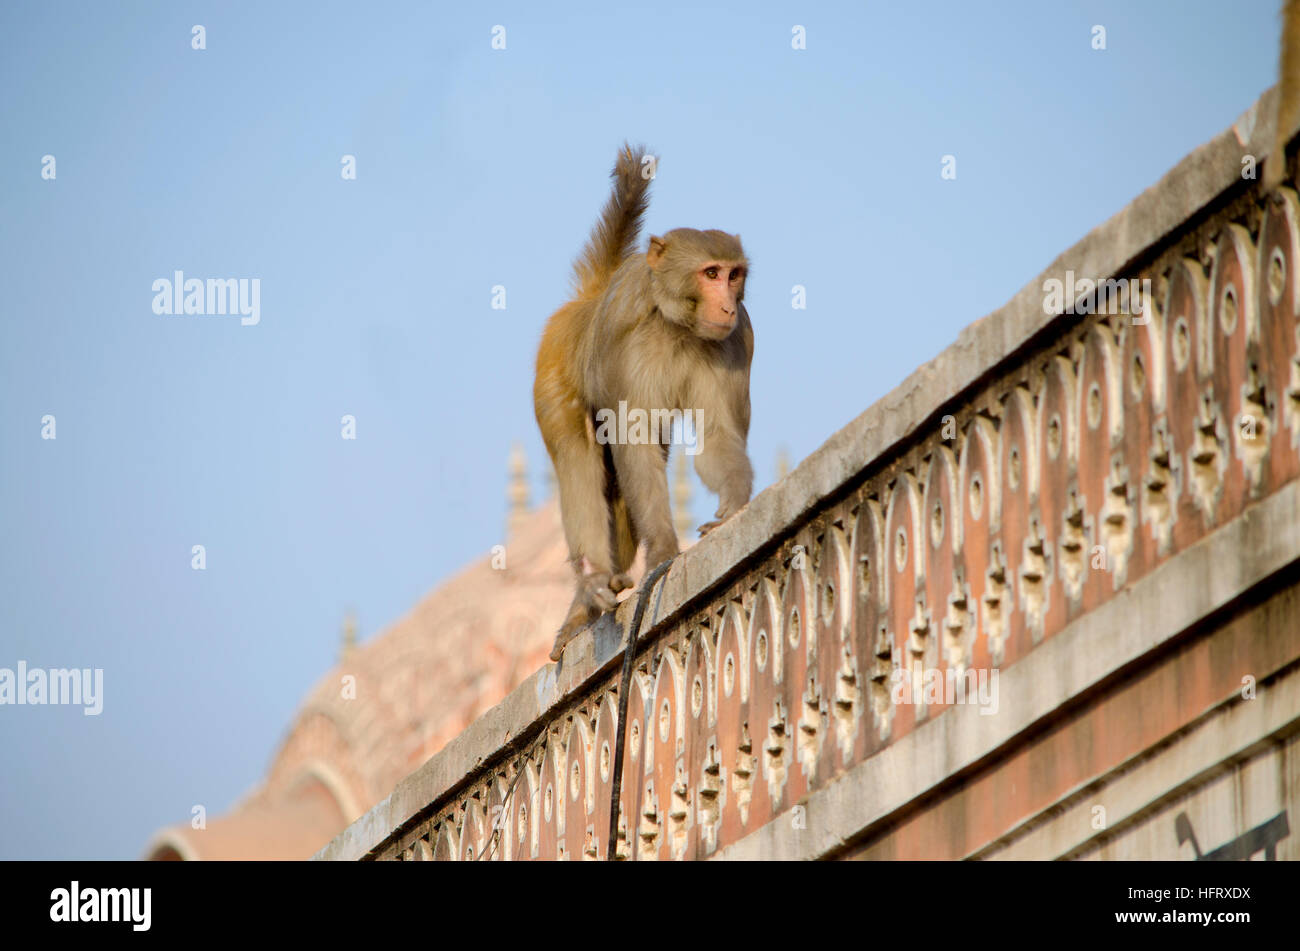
(1288, 95)
(662, 330)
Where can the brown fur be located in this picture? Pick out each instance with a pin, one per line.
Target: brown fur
(662, 330)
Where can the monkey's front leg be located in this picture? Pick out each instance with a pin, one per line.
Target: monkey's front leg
(643, 480)
(723, 466)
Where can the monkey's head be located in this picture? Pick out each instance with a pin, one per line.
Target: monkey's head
(697, 280)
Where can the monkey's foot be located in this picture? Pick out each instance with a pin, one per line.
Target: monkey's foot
(723, 513)
(620, 583)
(561, 639)
(597, 589)
(595, 595)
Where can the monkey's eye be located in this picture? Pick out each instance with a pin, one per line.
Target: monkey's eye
(737, 273)
(711, 273)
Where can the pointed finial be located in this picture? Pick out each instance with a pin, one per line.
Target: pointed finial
(517, 492)
(682, 520)
(349, 634)
(782, 464)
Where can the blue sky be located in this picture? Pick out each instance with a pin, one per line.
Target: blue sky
(475, 167)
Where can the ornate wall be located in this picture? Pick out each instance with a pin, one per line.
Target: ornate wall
(1040, 601)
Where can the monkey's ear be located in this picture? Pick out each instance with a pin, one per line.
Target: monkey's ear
(656, 252)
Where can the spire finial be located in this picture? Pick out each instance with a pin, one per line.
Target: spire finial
(782, 463)
(682, 520)
(349, 633)
(517, 491)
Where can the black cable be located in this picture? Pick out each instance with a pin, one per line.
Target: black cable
(625, 688)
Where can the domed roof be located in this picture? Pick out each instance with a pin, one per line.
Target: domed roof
(396, 700)
(393, 702)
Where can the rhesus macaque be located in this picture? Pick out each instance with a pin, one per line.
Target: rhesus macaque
(1288, 94)
(657, 331)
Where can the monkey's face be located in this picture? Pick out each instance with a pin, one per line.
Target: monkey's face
(721, 285)
(697, 280)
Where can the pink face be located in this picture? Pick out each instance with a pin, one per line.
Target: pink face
(720, 284)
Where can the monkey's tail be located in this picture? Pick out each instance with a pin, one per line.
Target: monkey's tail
(615, 234)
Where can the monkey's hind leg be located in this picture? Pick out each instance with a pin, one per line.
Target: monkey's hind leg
(623, 537)
(584, 509)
